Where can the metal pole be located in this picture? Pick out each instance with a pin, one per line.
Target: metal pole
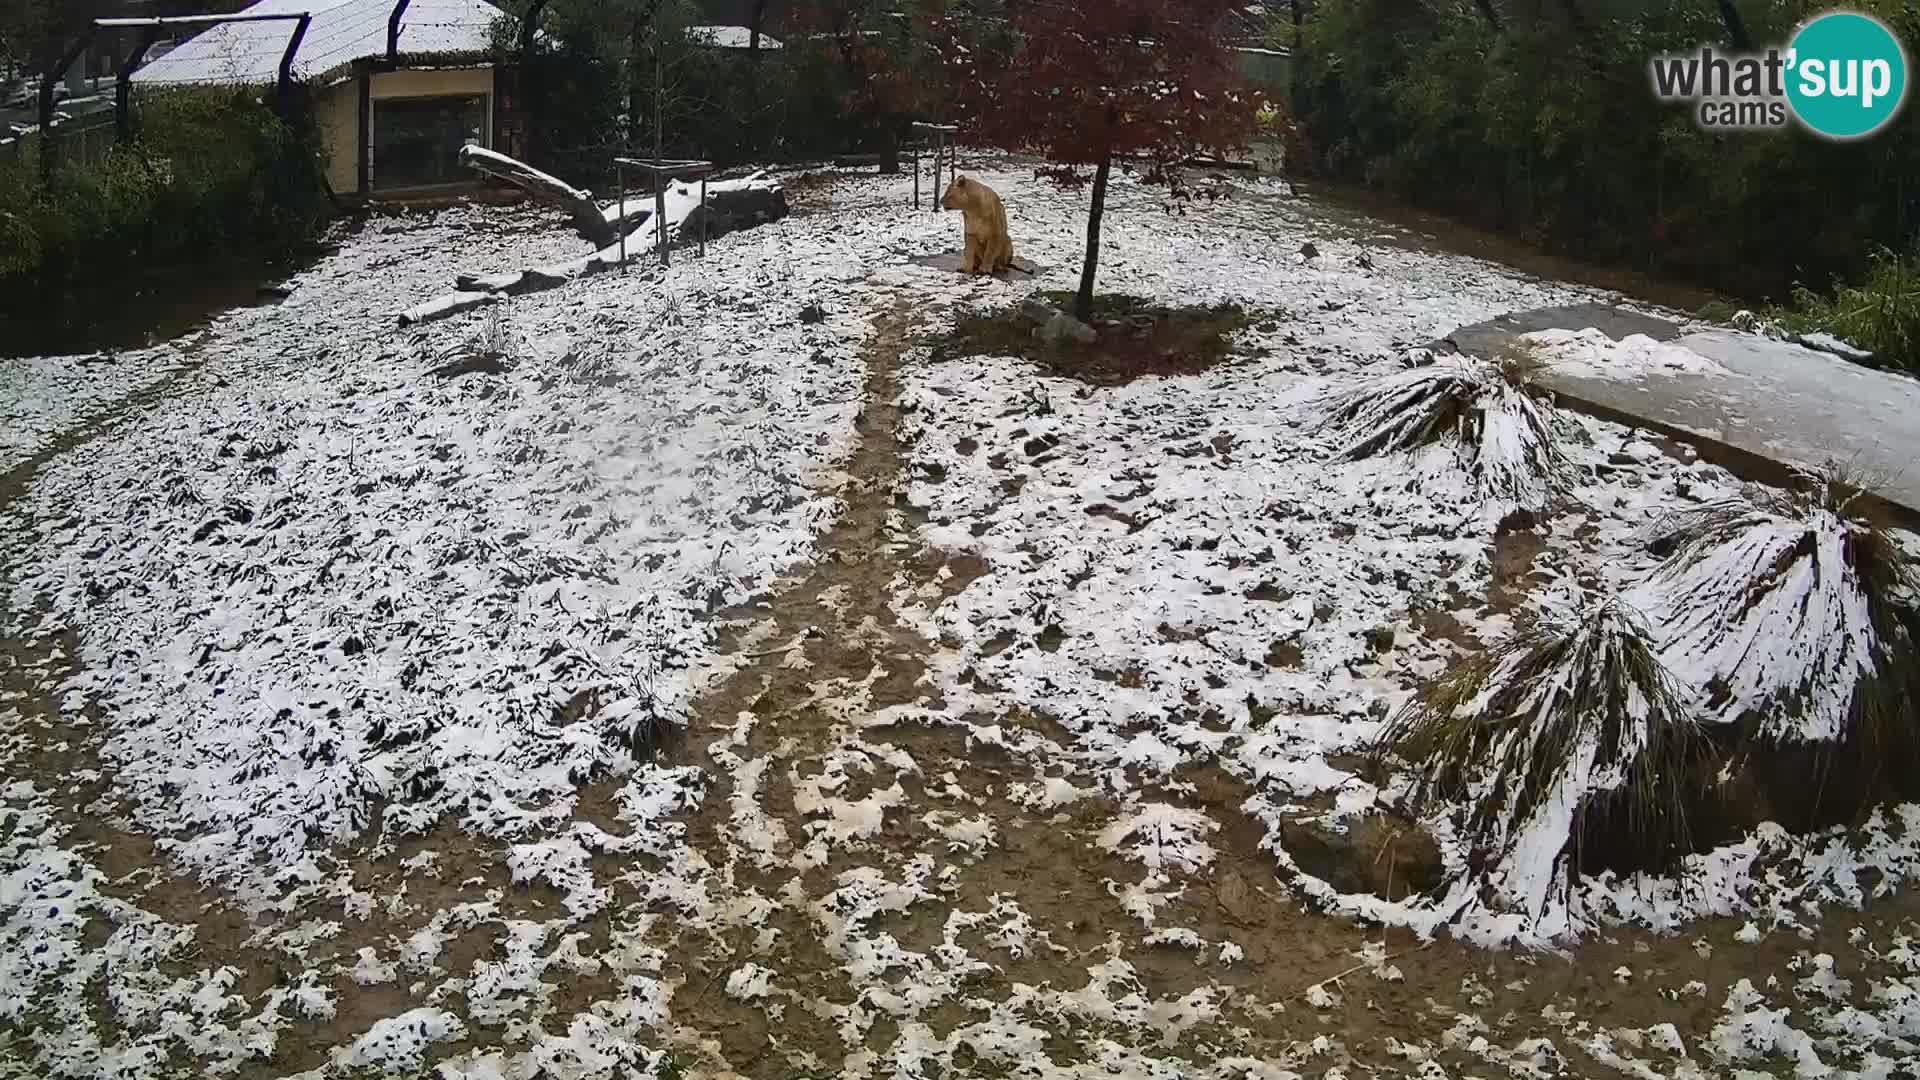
(659, 137)
(285, 86)
(123, 86)
(393, 28)
(49, 137)
(703, 215)
(620, 178)
(660, 211)
(939, 143)
(916, 176)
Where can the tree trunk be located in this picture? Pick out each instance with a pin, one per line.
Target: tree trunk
(1083, 303)
(530, 88)
(1736, 27)
(1577, 19)
(1491, 14)
(588, 221)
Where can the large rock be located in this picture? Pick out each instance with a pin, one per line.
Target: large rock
(1376, 853)
(729, 211)
(1064, 327)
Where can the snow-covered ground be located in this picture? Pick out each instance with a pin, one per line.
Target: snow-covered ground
(1022, 720)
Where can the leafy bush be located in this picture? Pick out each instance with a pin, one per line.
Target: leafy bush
(208, 173)
(1570, 717)
(1502, 434)
(1880, 315)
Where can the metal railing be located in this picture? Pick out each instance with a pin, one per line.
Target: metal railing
(661, 170)
(150, 31)
(941, 149)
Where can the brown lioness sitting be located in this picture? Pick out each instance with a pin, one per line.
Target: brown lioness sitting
(989, 248)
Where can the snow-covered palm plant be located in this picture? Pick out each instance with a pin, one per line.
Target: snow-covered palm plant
(1502, 434)
(1571, 715)
(1793, 614)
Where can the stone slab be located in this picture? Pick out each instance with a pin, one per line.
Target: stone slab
(1779, 402)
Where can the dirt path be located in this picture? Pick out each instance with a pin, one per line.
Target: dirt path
(869, 888)
(829, 763)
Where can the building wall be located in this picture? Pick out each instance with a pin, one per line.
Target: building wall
(337, 111)
(465, 82)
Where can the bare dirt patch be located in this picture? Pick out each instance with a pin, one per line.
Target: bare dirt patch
(1137, 339)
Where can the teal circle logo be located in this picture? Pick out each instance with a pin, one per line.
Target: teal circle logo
(1847, 75)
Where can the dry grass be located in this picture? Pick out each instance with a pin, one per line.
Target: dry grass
(1503, 432)
(1519, 363)
(1405, 411)
(1572, 712)
(1820, 594)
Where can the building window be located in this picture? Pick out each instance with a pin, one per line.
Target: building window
(417, 141)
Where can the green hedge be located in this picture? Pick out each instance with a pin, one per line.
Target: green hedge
(1549, 130)
(209, 173)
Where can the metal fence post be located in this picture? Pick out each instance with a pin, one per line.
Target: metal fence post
(660, 213)
(620, 178)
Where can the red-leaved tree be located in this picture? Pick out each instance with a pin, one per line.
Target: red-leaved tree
(1088, 82)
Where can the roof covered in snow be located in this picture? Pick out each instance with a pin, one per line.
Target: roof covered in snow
(729, 37)
(343, 31)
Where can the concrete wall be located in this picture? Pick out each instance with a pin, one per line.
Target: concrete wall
(337, 111)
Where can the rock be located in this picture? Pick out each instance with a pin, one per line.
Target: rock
(1380, 639)
(275, 292)
(1363, 262)
(1380, 854)
(1035, 312)
(1063, 327)
(731, 210)
(1309, 251)
(489, 363)
(717, 222)
(813, 314)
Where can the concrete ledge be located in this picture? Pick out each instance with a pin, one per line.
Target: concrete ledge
(1777, 406)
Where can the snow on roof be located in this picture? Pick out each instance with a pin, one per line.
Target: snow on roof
(342, 31)
(729, 37)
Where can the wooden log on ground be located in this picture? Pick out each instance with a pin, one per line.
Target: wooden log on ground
(588, 219)
(732, 205)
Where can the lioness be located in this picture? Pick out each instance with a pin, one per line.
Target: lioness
(989, 248)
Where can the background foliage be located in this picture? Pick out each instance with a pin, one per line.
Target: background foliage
(210, 173)
(847, 77)
(1546, 128)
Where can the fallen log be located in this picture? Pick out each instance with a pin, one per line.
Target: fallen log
(588, 219)
(732, 205)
